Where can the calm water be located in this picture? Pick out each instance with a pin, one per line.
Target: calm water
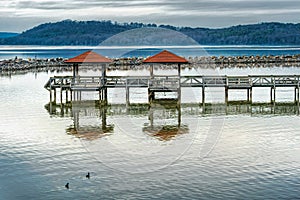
(8, 52)
(222, 152)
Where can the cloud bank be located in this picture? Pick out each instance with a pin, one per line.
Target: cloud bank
(23, 14)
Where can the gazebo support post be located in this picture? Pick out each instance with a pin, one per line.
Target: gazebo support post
(103, 84)
(151, 71)
(151, 93)
(179, 86)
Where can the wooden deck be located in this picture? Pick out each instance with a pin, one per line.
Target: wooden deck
(170, 84)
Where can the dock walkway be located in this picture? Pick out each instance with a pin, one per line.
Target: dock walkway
(74, 86)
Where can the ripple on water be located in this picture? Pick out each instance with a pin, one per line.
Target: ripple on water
(249, 156)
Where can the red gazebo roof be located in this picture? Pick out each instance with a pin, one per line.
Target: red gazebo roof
(166, 57)
(89, 57)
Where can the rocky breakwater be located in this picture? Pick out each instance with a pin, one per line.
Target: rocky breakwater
(19, 64)
(245, 61)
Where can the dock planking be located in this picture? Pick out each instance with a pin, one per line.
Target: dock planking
(75, 85)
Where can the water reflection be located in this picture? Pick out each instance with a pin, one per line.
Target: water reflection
(92, 121)
(161, 130)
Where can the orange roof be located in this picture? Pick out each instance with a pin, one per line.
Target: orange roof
(165, 57)
(89, 57)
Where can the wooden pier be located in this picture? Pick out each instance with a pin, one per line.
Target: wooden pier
(72, 87)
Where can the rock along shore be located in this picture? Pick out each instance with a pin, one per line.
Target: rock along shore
(206, 62)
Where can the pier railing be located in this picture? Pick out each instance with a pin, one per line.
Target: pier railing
(157, 84)
(164, 83)
(86, 83)
(171, 82)
(275, 81)
(58, 82)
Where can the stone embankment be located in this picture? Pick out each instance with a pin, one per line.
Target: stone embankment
(206, 62)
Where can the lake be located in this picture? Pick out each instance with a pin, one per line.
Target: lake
(7, 52)
(235, 151)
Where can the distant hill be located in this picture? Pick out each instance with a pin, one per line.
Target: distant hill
(7, 34)
(70, 32)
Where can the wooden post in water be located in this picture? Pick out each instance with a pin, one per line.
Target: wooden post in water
(248, 95)
(271, 94)
(203, 96)
(298, 97)
(104, 97)
(104, 116)
(179, 97)
(251, 94)
(100, 95)
(151, 93)
(179, 116)
(226, 94)
(67, 96)
(127, 95)
(61, 95)
(150, 96)
(274, 95)
(295, 95)
(54, 94)
(50, 94)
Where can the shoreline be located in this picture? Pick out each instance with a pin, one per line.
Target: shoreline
(134, 63)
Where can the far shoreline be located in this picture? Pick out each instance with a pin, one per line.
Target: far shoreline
(15, 65)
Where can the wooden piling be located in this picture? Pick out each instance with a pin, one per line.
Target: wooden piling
(67, 96)
(179, 116)
(179, 96)
(271, 94)
(54, 94)
(203, 96)
(251, 95)
(127, 96)
(248, 95)
(295, 95)
(298, 96)
(226, 94)
(105, 96)
(61, 95)
(50, 95)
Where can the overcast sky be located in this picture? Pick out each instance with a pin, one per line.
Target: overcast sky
(20, 15)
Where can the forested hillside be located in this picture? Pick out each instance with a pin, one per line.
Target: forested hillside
(70, 32)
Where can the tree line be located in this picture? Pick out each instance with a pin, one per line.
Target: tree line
(70, 32)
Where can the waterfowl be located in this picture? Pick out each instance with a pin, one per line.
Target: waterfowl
(88, 175)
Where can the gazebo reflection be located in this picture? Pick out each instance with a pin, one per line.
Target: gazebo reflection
(89, 121)
(162, 121)
(165, 122)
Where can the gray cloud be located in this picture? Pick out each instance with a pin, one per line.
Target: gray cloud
(174, 5)
(79, 4)
(196, 13)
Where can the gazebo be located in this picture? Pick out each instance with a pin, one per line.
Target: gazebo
(90, 58)
(166, 83)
